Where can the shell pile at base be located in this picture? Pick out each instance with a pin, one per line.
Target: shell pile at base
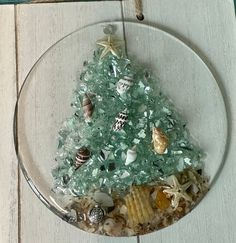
(142, 209)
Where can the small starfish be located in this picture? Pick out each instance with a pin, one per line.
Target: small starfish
(178, 191)
(110, 45)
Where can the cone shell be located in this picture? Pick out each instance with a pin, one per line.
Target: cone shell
(131, 156)
(124, 84)
(87, 107)
(139, 205)
(160, 140)
(82, 156)
(121, 119)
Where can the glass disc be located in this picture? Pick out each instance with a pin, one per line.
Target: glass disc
(46, 95)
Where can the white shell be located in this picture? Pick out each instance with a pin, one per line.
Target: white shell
(72, 216)
(124, 84)
(109, 224)
(112, 228)
(105, 154)
(103, 199)
(131, 155)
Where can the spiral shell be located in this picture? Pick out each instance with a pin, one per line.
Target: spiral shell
(131, 155)
(82, 156)
(87, 107)
(139, 205)
(96, 214)
(160, 140)
(121, 119)
(124, 84)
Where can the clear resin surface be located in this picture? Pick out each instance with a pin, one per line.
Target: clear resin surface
(121, 136)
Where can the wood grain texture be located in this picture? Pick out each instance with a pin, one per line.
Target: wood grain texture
(9, 168)
(209, 28)
(40, 26)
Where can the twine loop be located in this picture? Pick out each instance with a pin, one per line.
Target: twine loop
(139, 10)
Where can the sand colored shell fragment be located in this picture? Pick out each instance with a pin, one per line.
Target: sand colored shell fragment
(162, 202)
(141, 210)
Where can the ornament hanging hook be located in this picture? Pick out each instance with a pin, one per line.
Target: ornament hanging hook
(139, 10)
(109, 29)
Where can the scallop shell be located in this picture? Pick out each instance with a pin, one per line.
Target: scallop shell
(131, 155)
(139, 205)
(82, 156)
(121, 119)
(160, 140)
(87, 107)
(124, 84)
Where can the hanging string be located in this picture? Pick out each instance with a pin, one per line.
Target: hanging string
(139, 9)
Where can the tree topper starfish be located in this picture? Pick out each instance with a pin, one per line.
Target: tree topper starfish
(178, 191)
(110, 45)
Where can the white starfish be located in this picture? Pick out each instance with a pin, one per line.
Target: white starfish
(110, 45)
(177, 191)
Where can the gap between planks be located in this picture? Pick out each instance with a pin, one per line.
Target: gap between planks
(16, 124)
(19, 19)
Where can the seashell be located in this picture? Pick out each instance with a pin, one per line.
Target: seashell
(82, 156)
(123, 210)
(77, 208)
(103, 199)
(139, 206)
(87, 107)
(109, 224)
(104, 154)
(131, 155)
(160, 140)
(162, 202)
(124, 84)
(71, 217)
(120, 120)
(96, 214)
(113, 227)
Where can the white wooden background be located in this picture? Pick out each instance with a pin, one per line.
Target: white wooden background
(26, 31)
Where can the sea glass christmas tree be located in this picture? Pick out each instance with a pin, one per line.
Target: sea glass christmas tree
(125, 155)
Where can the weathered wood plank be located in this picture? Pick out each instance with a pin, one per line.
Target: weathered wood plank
(39, 26)
(9, 167)
(209, 28)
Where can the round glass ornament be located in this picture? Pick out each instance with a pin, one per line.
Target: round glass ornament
(45, 97)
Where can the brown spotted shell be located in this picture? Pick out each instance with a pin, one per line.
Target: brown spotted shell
(82, 156)
(160, 140)
(121, 119)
